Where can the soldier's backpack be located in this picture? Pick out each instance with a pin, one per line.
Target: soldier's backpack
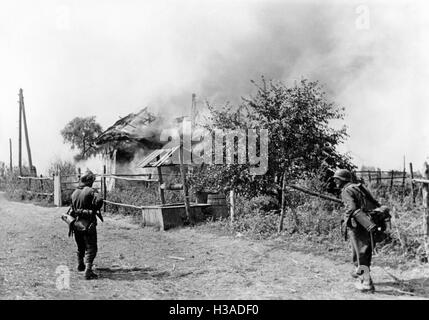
(376, 220)
(381, 218)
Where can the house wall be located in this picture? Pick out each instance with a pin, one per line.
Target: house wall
(116, 166)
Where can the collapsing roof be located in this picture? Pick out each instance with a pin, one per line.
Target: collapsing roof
(141, 127)
(143, 130)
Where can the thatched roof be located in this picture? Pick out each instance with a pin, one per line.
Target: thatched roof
(140, 130)
(142, 127)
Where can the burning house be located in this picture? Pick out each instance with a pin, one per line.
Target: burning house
(128, 141)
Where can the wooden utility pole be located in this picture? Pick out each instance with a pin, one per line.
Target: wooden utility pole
(10, 153)
(412, 183)
(20, 138)
(194, 112)
(404, 174)
(22, 107)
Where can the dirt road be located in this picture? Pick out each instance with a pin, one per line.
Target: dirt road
(186, 263)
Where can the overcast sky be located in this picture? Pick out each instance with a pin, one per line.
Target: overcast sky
(110, 58)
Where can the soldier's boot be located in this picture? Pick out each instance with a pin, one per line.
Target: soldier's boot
(89, 274)
(355, 274)
(365, 285)
(80, 263)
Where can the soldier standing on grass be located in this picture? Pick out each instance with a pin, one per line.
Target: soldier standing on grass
(86, 202)
(356, 197)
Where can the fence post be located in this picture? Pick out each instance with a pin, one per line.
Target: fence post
(57, 189)
(103, 183)
(412, 183)
(282, 213)
(232, 204)
(185, 186)
(160, 182)
(391, 180)
(425, 191)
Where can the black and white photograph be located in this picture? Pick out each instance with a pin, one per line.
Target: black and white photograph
(214, 155)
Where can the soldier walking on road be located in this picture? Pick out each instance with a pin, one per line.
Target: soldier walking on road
(86, 202)
(357, 200)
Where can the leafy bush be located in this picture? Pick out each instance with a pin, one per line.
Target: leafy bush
(257, 224)
(301, 140)
(262, 204)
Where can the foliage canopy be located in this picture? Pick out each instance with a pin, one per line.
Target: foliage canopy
(302, 139)
(81, 133)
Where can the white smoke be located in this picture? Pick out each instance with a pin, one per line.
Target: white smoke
(110, 59)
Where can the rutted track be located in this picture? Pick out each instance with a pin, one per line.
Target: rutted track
(140, 263)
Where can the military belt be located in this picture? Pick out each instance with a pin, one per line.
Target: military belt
(83, 211)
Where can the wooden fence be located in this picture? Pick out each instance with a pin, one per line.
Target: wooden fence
(38, 185)
(63, 183)
(393, 179)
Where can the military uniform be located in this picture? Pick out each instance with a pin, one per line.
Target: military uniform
(358, 201)
(85, 203)
(354, 198)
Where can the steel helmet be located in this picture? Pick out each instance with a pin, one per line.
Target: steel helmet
(87, 179)
(343, 175)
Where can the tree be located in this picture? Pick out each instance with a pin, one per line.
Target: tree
(81, 133)
(65, 167)
(301, 139)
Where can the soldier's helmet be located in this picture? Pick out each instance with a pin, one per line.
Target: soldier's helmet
(87, 179)
(343, 174)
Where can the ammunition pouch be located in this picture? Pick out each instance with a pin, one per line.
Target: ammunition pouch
(85, 221)
(80, 220)
(84, 214)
